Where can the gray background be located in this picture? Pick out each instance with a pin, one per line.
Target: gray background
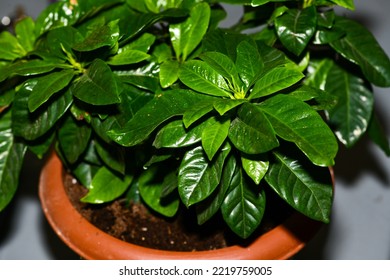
(360, 226)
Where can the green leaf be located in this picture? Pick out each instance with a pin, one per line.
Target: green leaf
(198, 177)
(255, 168)
(199, 76)
(175, 135)
(33, 125)
(73, 137)
(351, 115)
(251, 132)
(307, 189)
(275, 80)
(106, 35)
(214, 135)
(112, 156)
(244, 205)
(151, 192)
(163, 107)
(29, 68)
(224, 66)
(225, 105)
(349, 4)
(56, 15)
(11, 161)
(318, 72)
(10, 49)
(106, 186)
(187, 35)
(97, 86)
(138, 22)
(249, 62)
(296, 27)
(197, 111)
(295, 121)
(208, 207)
(24, 31)
(169, 73)
(360, 47)
(128, 57)
(44, 87)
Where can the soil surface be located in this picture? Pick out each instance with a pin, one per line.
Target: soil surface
(134, 223)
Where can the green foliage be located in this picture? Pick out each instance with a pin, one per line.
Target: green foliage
(153, 97)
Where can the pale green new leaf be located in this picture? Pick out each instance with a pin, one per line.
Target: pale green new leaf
(255, 168)
(169, 73)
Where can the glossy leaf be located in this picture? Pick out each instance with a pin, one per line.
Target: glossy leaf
(255, 168)
(10, 48)
(249, 62)
(169, 73)
(97, 86)
(224, 66)
(214, 135)
(251, 132)
(11, 161)
(208, 207)
(198, 177)
(295, 121)
(360, 47)
(275, 80)
(56, 15)
(137, 23)
(33, 125)
(308, 190)
(73, 138)
(146, 120)
(175, 135)
(186, 35)
(44, 87)
(24, 31)
(351, 115)
(151, 193)
(106, 186)
(197, 111)
(295, 28)
(199, 76)
(349, 4)
(128, 57)
(112, 156)
(225, 105)
(29, 68)
(244, 205)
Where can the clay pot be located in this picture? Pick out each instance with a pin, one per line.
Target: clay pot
(89, 242)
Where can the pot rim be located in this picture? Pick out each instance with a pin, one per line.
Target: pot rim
(89, 242)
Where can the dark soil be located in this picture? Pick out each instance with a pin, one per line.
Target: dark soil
(135, 224)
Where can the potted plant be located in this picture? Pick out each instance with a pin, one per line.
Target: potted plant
(152, 102)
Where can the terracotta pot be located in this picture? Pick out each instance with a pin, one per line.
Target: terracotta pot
(89, 242)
